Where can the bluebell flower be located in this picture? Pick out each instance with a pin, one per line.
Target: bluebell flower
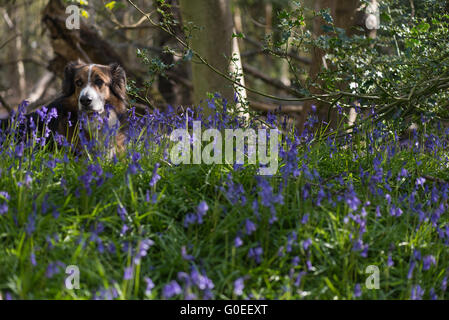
(351, 199)
(299, 278)
(410, 270)
(142, 250)
(256, 254)
(171, 289)
(150, 285)
(238, 242)
(3, 208)
(121, 212)
(184, 254)
(444, 284)
(201, 280)
(295, 261)
(189, 219)
(357, 290)
(250, 227)
(155, 177)
(390, 262)
(239, 285)
(306, 244)
(428, 261)
(417, 293)
(128, 274)
(420, 181)
(305, 219)
(201, 211)
(433, 295)
(395, 211)
(4, 195)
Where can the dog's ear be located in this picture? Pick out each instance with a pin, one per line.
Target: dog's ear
(118, 84)
(68, 84)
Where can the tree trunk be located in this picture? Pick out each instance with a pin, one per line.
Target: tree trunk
(343, 13)
(212, 39)
(12, 20)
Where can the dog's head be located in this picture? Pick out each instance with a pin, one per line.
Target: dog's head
(91, 86)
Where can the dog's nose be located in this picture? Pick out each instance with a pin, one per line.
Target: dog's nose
(85, 101)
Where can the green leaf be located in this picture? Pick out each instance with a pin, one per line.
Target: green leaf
(423, 27)
(327, 16)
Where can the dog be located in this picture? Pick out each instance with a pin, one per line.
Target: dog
(89, 90)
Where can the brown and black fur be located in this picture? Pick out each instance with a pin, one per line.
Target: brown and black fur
(113, 90)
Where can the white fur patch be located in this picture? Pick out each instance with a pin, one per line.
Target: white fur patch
(97, 104)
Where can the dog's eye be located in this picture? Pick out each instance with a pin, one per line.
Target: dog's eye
(99, 82)
(79, 83)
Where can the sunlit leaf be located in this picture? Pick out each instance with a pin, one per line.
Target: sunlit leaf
(84, 14)
(110, 5)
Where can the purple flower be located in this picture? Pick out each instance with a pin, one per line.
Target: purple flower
(390, 262)
(189, 219)
(128, 274)
(410, 270)
(420, 181)
(444, 284)
(171, 289)
(55, 213)
(54, 268)
(238, 242)
(305, 219)
(150, 285)
(239, 285)
(201, 211)
(121, 212)
(432, 294)
(428, 261)
(417, 293)
(395, 211)
(19, 150)
(295, 261)
(235, 193)
(357, 290)
(417, 255)
(378, 214)
(184, 254)
(31, 225)
(352, 200)
(256, 253)
(156, 177)
(3, 208)
(299, 278)
(4, 194)
(249, 226)
(291, 239)
(201, 280)
(306, 244)
(33, 259)
(143, 249)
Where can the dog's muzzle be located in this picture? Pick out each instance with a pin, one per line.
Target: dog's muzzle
(90, 100)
